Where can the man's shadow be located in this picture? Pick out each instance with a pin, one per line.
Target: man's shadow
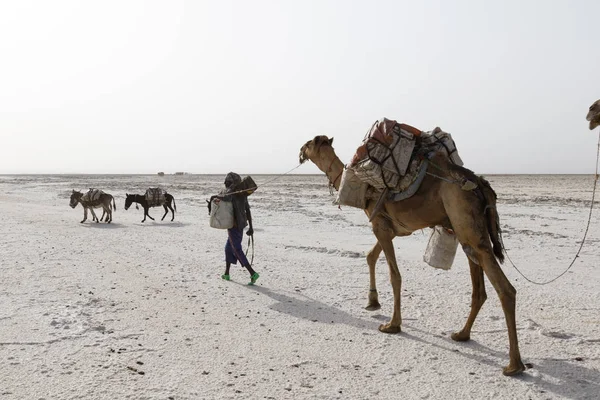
(569, 379)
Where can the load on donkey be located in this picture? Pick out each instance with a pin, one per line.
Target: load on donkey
(154, 197)
(406, 180)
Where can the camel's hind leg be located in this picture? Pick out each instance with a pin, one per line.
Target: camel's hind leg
(372, 258)
(385, 235)
(470, 226)
(477, 299)
(507, 294)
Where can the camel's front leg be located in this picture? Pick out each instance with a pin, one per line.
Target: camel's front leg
(384, 237)
(372, 258)
(477, 299)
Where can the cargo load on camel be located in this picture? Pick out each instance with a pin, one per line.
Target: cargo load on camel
(393, 158)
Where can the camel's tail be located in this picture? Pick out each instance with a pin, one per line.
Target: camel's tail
(490, 211)
(493, 219)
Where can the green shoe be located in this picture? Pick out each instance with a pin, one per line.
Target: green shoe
(225, 276)
(254, 278)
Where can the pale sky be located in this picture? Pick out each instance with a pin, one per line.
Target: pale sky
(212, 86)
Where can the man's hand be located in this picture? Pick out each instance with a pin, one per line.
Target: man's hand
(250, 232)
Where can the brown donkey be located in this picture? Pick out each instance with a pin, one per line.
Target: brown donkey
(471, 214)
(94, 199)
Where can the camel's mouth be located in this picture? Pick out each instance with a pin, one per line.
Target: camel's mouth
(302, 156)
(589, 116)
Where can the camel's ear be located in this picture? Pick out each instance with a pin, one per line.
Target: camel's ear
(330, 141)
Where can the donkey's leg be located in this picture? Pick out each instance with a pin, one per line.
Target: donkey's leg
(84, 215)
(477, 299)
(172, 212)
(372, 258)
(94, 217)
(106, 211)
(385, 235)
(166, 211)
(146, 214)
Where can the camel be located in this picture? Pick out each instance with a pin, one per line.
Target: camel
(470, 214)
(594, 115)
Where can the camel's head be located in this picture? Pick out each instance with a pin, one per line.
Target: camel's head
(312, 148)
(594, 115)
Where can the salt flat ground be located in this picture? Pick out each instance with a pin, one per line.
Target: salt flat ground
(139, 311)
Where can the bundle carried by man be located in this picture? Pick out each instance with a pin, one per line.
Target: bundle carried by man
(220, 207)
(155, 197)
(392, 158)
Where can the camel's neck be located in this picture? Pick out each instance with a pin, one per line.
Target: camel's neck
(333, 168)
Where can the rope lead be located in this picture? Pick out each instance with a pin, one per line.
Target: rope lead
(584, 234)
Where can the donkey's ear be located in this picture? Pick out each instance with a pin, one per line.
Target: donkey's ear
(126, 195)
(330, 141)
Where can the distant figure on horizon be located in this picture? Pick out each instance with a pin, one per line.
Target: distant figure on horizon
(242, 218)
(594, 115)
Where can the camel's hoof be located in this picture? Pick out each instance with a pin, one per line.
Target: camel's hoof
(460, 336)
(389, 328)
(373, 306)
(513, 371)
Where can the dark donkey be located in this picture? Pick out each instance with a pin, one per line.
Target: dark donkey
(142, 200)
(94, 199)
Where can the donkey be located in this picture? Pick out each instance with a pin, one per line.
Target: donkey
(141, 200)
(87, 200)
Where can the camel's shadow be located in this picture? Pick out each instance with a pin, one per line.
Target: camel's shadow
(301, 306)
(561, 377)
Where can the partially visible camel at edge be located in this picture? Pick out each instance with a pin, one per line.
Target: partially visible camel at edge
(470, 214)
(594, 115)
